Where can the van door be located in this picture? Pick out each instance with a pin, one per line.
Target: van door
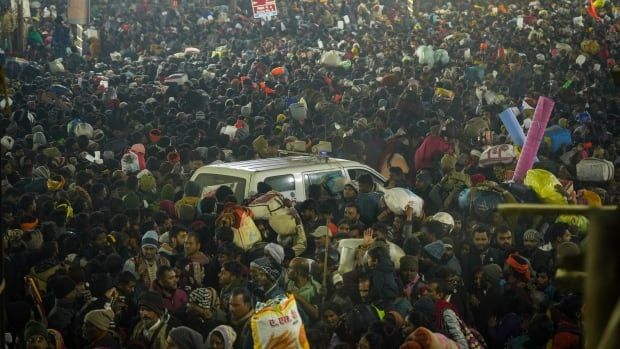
(318, 177)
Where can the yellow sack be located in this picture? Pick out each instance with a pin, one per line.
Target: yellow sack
(277, 325)
(443, 94)
(580, 222)
(543, 183)
(590, 47)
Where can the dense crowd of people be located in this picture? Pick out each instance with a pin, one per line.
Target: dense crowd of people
(100, 249)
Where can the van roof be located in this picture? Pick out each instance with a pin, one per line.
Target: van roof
(280, 163)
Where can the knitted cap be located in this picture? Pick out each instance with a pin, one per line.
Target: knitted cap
(150, 238)
(153, 301)
(34, 328)
(492, 272)
(532, 234)
(435, 249)
(228, 335)
(205, 298)
(186, 338)
(266, 266)
(408, 262)
(100, 318)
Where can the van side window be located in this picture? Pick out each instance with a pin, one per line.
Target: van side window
(318, 178)
(355, 173)
(281, 183)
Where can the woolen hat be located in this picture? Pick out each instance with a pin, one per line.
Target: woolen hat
(265, 265)
(408, 262)
(100, 318)
(34, 328)
(228, 335)
(435, 249)
(153, 301)
(150, 238)
(205, 298)
(186, 338)
(492, 272)
(532, 234)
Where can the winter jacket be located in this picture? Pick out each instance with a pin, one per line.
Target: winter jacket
(473, 261)
(190, 273)
(153, 338)
(172, 302)
(449, 323)
(384, 288)
(370, 207)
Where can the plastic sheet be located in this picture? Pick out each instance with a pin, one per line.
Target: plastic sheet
(544, 184)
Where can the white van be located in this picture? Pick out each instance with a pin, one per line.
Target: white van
(291, 175)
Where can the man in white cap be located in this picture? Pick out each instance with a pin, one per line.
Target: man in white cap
(96, 330)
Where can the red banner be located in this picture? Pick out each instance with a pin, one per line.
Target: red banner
(264, 8)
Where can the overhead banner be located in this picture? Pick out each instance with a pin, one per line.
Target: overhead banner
(78, 12)
(264, 8)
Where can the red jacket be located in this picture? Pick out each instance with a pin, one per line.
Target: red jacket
(172, 301)
(429, 147)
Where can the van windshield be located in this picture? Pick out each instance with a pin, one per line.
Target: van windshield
(211, 181)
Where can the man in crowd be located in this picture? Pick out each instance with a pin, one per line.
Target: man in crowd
(167, 284)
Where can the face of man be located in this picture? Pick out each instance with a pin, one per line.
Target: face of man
(149, 252)
(530, 244)
(366, 187)
(504, 240)
(225, 277)
(308, 215)
(191, 246)
(169, 281)
(432, 292)
(372, 263)
(542, 281)
(565, 237)
(204, 313)
(351, 214)
(331, 318)
(37, 342)
(260, 278)
(179, 241)
(237, 307)
(349, 193)
(127, 289)
(481, 241)
(363, 288)
(100, 241)
(148, 316)
(409, 274)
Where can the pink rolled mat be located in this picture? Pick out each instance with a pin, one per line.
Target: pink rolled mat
(544, 107)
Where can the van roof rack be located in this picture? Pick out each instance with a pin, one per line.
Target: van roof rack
(320, 156)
